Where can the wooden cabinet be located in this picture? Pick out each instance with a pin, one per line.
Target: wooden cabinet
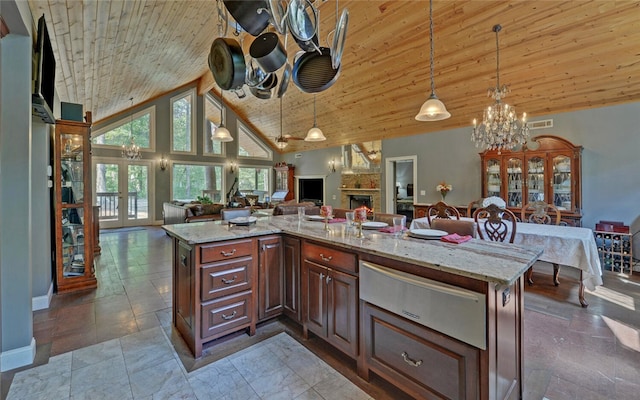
(291, 278)
(548, 169)
(285, 180)
(214, 290)
(421, 361)
(330, 296)
(270, 277)
(74, 229)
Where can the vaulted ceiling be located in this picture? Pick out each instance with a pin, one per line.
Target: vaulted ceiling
(556, 56)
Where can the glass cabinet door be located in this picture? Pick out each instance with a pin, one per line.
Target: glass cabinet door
(73, 234)
(535, 179)
(71, 169)
(493, 178)
(515, 182)
(562, 194)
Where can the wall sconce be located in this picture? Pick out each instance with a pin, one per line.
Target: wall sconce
(163, 163)
(232, 167)
(332, 166)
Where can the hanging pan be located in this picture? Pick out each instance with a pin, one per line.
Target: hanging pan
(339, 37)
(313, 72)
(226, 62)
(246, 14)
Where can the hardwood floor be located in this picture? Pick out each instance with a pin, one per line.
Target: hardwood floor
(570, 352)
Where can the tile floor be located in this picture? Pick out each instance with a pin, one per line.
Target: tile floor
(99, 344)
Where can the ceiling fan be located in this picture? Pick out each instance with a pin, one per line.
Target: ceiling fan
(281, 140)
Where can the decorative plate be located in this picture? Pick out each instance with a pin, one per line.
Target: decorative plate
(374, 225)
(427, 233)
(243, 220)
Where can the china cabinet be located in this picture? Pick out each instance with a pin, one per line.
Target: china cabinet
(285, 181)
(548, 168)
(74, 229)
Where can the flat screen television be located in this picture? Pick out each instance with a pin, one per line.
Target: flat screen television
(311, 189)
(44, 75)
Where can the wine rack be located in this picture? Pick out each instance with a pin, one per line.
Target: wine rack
(615, 251)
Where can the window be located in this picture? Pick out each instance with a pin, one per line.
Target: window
(254, 180)
(189, 181)
(142, 124)
(183, 122)
(250, 146)
(211, 121)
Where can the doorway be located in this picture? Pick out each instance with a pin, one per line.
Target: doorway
(400, 185)
(124, 191)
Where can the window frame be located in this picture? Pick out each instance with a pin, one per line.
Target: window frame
(269, 175)
(203, 164)
(194, 106)
(242, 129)
(151, 110)
(206, 132)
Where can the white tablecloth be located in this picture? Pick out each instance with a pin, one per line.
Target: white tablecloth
(563, 245)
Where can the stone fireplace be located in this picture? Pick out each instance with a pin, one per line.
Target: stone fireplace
(361, 189)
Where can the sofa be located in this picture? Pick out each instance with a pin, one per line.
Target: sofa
(176, 212)
(289, 208)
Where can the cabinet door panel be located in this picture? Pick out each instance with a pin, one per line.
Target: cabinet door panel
(221, 315)
(291, 282)
(342, 321)
(270, 295)
(227, 277)
(184, 286)
(316, 315)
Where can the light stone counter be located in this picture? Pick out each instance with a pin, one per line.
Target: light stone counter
(478, 259)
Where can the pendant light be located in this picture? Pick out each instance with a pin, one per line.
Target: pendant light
(432, 109)
(314, 134)
(221, 134)
(281, 141)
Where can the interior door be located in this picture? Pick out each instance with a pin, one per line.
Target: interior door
(123, 190)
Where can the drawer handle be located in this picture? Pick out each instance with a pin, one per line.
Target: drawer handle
(409, 361)
(328, 279)
(224, 253)
(233, 314)
(229, 281)
(183, 260)
(326, 258)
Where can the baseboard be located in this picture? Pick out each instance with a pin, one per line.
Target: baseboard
(42, 302)
(17, 358)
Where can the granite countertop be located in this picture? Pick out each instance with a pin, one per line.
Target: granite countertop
(501, 263)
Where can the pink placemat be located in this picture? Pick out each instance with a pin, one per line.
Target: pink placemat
(391, 229)
(334, 220)
(455, 238)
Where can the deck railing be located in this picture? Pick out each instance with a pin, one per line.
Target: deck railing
(109, 202)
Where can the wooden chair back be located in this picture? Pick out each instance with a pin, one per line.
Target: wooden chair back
(388, 218)
(473, 205)
(460, 227)
(495, 223)
(541, 213)
(442, 210)
(340, 212)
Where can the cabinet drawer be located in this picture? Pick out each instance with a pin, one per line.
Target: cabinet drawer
(330, 257)
(227, 313)
(428, 364)
(225, 278)
(225, 250)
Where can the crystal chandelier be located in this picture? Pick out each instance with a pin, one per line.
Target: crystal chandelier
(500, 128)
(131, 151)
(433, 109)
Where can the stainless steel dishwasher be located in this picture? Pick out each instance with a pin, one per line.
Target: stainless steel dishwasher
(454, 311)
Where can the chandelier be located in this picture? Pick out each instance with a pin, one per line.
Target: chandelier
(500, 128)
(131, 151)
(433, 109)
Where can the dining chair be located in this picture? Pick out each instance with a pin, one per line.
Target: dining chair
(387, 218)
(340, 212)
(229, 213)
(441, 210)
(542, 213)
(496, 223)
(473, 205)
(460, 227)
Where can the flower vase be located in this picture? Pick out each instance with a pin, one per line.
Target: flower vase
(443, 194)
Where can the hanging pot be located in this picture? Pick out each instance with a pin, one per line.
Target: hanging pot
(264, 91)
(226, 62)
(246, 14)
(268, 52)
(254, 75)
(313, 72)
(303, 21)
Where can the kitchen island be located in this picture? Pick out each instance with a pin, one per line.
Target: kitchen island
(228, 278)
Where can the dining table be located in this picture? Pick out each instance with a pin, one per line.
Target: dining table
(563, 245)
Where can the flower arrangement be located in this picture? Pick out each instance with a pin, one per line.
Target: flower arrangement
(444, 188)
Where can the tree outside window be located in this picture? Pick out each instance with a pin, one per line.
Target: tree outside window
(182, 123)
(189, 181)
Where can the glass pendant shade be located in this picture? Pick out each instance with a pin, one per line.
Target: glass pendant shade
(433, 110)
(315, 135)
(281, 142)
(222, 134)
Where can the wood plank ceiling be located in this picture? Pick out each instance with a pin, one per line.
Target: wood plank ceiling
(557, 56)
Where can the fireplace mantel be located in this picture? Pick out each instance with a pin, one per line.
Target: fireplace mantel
(360, 190)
